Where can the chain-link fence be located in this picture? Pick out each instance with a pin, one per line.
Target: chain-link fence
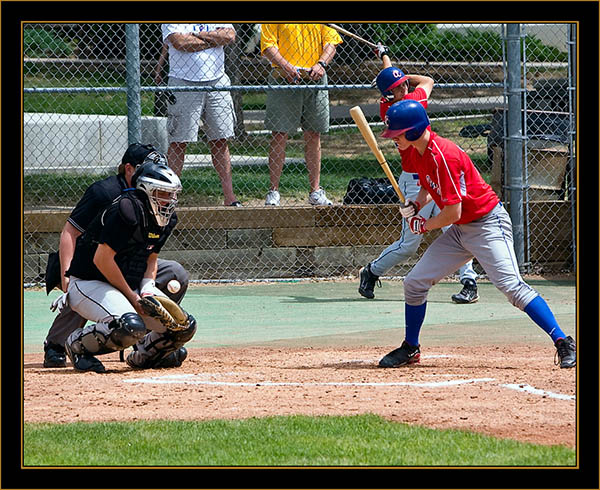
(230, 119)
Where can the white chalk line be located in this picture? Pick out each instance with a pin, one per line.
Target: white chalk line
(194, 379)
(200, 379)
(189, 379)
(536, 391)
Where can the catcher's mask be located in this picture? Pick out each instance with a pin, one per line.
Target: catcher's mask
(160, 184)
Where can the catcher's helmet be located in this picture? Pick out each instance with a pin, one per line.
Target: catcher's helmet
(389, 78)
(405, 116)
(160, 184)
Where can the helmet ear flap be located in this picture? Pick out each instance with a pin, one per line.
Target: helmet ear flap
(415, 133)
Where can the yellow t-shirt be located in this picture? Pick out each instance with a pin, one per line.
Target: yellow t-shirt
(300, 44)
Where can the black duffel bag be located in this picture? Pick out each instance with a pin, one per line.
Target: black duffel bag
(370, 191)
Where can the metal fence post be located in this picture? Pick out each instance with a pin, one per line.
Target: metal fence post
(514, 138)
(132, 64)
(572, 50)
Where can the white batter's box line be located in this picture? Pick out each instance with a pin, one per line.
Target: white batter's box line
(537, 391)
(192, 380)
(201, 379)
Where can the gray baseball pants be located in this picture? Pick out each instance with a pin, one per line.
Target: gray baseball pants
(488, 239)
(408, 244)
(67, 321)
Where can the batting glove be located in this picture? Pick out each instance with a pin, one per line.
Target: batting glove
(381, 50)
(417, 225)
(59, 303)
(409, 209)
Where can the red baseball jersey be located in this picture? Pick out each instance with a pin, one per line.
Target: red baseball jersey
(448, 174)
(419, 95)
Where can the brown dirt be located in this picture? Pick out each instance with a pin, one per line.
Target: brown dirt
(264, 381)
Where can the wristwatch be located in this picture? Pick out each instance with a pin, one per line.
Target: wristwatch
(322, 63)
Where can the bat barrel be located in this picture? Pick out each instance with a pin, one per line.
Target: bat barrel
(352, 35)
(362, 124)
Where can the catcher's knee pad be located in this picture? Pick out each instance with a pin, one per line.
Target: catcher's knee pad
(102, 338)
(182, 337)
(128, 329)
(155, 346)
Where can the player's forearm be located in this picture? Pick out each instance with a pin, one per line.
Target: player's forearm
(66, 249)
(423, 198)
(449, 215)
(387, 62)
(416, 80)
(422, 81)
(152, 267)
(104, 260)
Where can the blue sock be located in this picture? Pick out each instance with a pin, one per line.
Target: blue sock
(414, 316)
(539, 311)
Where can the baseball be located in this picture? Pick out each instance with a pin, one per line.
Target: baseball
(173, 286)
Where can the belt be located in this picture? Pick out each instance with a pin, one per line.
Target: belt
(497, 206)
(415, 176)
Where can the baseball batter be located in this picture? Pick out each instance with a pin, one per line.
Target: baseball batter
(394, 86)
(480, 228)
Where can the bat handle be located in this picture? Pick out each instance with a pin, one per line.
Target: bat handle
(393, 181)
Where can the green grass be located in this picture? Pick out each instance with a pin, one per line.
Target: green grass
(366, 440)
(107, 103)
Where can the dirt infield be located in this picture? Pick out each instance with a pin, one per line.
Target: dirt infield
(510, 391)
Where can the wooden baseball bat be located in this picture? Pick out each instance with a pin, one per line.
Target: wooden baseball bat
(360, 120)
(352, 35)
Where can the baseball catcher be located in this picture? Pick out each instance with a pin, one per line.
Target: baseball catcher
(113, 272)
(96, 198)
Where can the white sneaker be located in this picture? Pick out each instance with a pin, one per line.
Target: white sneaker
(318, 198)
(272, 198)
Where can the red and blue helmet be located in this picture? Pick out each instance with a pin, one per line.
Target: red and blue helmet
(406, 116)
(389, 78)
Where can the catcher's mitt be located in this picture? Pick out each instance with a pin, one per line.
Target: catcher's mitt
(166, 311)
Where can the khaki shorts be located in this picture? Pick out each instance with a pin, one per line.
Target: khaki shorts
(213, 109)
(288, 110)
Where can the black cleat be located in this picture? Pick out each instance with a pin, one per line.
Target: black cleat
(367, 282)
(468, 293)
(174, 359)
(54, 356)
(84, 362)
(565, 352)
(403, 355)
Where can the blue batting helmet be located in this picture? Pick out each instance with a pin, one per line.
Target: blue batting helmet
(389, 78)
(406, 116)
